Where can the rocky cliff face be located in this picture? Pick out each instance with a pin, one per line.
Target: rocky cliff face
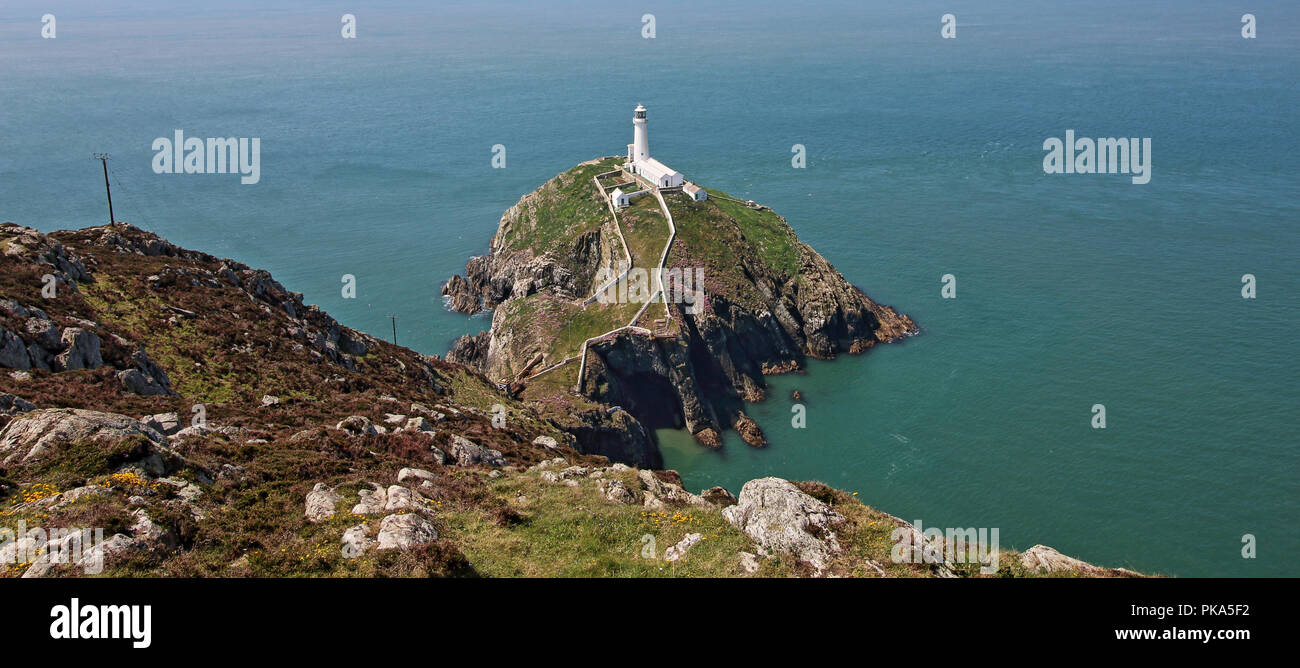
(770, 302)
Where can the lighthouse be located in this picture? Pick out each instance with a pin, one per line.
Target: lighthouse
(639, 161)
(640, 144)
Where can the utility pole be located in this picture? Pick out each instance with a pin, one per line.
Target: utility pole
(103, 160)
(394, 319)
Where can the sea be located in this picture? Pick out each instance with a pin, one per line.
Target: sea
(923, 170)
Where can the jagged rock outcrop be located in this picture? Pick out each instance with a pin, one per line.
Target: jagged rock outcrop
(28, 244)
(471, 350)
(749, 430)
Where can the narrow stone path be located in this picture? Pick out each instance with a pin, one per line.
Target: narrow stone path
(659, 294)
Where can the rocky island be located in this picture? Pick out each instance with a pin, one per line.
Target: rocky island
(765, 303)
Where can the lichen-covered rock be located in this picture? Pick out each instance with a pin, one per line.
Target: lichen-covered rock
(373, 501)
(356, 425)
(164, 423)
(405, 531)
(1044, 559)
(35, 434)
(356, 541)
(616, 491)
(413, 475)
(418, 423)
(676, 552)
(321, 503)
(666, 490)
(401, 499)
(468, 453)
(781, 518)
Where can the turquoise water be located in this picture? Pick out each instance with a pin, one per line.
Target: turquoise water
(924, 158)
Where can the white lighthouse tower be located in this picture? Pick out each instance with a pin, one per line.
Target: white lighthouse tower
(640, 143)
(639, 161)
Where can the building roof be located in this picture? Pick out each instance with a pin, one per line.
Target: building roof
(690, 188)
(654, 169)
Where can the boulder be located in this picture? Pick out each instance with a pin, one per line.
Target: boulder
(356, 425)
(81, 350)
(76, 494)
(468, 453)
(356, 542)
(154, 376)
(659, 492)
(91, 561)
(1044, 559)
(401, 499)
(12, 405)
(45, 333)
(373, 501)
(719, 496)
(137, 382)
(678, 551)
(321, 503)
(549, 463)
(415, 475)
(616, 491)
(163, 423)
(405, 531)
(781, 518)
(38, 433)
(418, 423)
(13, 351)
(149, 533)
